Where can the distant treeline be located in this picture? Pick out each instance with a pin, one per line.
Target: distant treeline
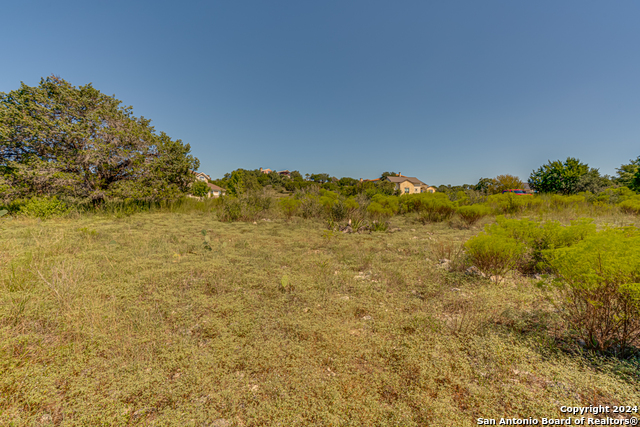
(77, 144)
(558, 177)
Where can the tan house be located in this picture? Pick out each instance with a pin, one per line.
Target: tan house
(201, 176)
(215, 191)
(410, 185)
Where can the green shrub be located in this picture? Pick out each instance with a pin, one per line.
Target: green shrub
(509, 203)
(436, 208)
(600, 280)
(231, 209)
(417, 202)
(310, 207)
(200, 189)
(378, 212)
(472, 214)
(494, 255)
(559, 202)
(352, 206)
(631, 206)
(289, 206)
(44, 207)
(537, 237)
(382, 207)
(614, 195)
(379, 226)
(387, 202)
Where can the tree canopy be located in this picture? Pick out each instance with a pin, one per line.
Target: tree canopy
(629, 174)
(57, 139)
(560, 177)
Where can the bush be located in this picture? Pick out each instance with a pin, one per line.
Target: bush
(436, 208)
(509, 203)
(231, 209)
(310, 207)
(200, 189)
(382, 207)
(631, 206)
(600, 281)
(494, 255)
(537, 237)
(472, 214)
(289, 206)
(379, 226)
(44, 207)
(615, 195)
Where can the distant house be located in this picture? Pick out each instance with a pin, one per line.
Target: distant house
(410, 185)
(285, 173)
(215, 191)
(201, 176)
(266, 170)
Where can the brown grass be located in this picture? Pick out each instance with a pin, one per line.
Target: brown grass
(132, 321)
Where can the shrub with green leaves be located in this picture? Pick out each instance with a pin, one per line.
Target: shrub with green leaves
(289, 206)
(600, 281)
(231, 209)
(631, 206)
(509, 203)
(436, 208)
(379, 212)
(472, 214)
(537, 237)
(200, 189)
(44, 207)
(382, 207)
(615, 195)
(310, 206)
(494, 254)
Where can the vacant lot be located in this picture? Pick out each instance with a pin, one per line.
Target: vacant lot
(178, 319)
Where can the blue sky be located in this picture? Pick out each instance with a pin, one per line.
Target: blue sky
(448, 91)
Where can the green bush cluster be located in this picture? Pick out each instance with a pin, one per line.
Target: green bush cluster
(600, 280)
(199, 189)
(382, 207)
(44, 207)
(289, 206)
(536, 237)
(509, 203)
(631, 206)
(246, 208)
(493, 254)
(431, 207)
(472, 214)
(598, 273)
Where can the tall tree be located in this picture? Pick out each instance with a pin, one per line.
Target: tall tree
(560, 177)
(76, 141)
(626, 173)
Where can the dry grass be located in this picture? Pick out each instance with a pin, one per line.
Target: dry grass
(133, 321)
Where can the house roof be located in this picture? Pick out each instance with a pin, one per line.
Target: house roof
(201, 174)
(215, 187)
(399, 179)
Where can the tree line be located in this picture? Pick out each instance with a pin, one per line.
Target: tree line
(76, 142)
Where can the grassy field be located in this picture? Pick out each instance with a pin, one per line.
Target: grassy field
(146, 320)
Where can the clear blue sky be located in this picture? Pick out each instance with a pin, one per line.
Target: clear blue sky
(448, 91)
